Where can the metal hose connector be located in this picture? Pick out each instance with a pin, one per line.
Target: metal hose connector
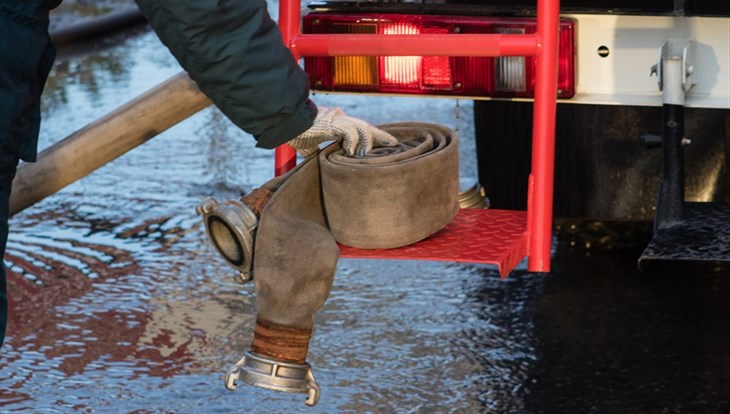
(472, 194)
(277, 361)
(274, 375)
(231, 228)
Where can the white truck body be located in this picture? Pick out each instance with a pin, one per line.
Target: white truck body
(633, 42)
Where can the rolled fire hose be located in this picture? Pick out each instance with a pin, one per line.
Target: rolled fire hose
(394, 196)
(391, 198)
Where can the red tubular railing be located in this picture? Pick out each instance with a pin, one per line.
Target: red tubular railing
(540, 191)
(543, 45)
(415, 45)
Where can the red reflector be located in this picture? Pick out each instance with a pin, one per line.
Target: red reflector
(436, 70)
(504, 76)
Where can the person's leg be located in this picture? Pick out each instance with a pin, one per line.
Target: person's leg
(8, 166)
(4, 202)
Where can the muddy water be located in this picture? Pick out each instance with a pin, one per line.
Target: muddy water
(120, 305)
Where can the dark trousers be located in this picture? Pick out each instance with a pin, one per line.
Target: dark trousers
(4, 202)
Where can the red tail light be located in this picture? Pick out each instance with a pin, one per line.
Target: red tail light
(506, 76)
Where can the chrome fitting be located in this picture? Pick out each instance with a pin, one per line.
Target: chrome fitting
(274, 375)
(231, 227)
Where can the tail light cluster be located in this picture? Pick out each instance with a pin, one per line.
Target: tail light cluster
(505, 76)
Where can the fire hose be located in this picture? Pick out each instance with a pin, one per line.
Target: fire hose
(285, 237)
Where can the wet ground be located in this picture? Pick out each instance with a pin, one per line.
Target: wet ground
(119, 305)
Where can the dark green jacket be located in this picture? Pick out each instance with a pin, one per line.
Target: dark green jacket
(234, 52)
(26, 57)
(231, 48)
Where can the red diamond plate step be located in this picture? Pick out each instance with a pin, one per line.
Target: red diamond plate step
(474, 236)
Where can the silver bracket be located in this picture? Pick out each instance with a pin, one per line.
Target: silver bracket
(677, 47)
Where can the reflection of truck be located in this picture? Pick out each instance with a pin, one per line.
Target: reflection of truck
(609, 104)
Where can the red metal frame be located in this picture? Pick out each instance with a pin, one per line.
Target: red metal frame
(543, 45)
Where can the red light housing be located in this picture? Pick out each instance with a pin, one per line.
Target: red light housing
(505, 76)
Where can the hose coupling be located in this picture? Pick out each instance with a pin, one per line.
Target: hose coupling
(275, 375)
(231, 227)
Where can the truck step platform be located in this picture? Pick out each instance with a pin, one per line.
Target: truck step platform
(497, 237)
(702, 236)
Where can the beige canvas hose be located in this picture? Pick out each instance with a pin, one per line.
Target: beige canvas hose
(393, 197)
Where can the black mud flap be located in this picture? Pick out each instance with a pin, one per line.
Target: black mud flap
(702, 237)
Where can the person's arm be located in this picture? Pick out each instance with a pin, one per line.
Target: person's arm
(234, 52)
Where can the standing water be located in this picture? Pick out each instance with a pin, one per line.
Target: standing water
(120, 305)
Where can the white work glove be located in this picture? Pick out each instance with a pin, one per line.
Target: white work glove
(331, 124)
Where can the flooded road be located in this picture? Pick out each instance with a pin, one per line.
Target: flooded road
(119, 305)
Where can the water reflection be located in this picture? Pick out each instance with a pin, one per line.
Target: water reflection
(86, 73)
(223, 172)
(84, 8)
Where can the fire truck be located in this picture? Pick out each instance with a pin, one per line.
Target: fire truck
(643, 98)
(583, 109)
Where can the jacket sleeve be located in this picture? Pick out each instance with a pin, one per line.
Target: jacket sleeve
(233, 50)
